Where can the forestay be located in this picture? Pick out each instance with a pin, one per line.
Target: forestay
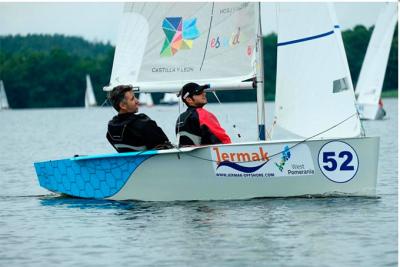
(162, 46)
(314, 91)
(370, 81)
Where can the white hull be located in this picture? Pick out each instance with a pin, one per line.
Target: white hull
(167, 178)
(192, 173)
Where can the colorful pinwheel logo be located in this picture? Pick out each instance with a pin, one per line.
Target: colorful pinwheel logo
(179, 34)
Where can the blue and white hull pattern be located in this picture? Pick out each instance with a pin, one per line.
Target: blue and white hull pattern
(88, 177)
(218, 172)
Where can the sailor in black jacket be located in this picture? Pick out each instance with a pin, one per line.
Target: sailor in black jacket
(128, 131)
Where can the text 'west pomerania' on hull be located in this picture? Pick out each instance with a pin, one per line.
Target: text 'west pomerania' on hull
(256, 163)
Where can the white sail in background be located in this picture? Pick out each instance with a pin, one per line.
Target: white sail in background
(131, 42)
(162, 46)
(146, 99)
(313, 88)
(169, 99)
(3, 97)
(90, 100)
(370, 81)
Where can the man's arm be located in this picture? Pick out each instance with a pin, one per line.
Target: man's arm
(152, 134)
(211, 127)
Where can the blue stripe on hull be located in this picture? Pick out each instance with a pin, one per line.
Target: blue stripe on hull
(95, 178)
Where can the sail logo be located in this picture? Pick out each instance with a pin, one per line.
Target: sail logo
(285, 157)
(223, 41)
(179, 35)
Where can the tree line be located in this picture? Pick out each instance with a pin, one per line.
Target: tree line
(49, 70)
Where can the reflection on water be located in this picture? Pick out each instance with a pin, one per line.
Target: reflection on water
(82, 203)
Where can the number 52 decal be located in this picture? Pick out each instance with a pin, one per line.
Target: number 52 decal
(338, 161)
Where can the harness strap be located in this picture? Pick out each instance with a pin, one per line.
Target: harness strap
(194, 138)
(136, 148)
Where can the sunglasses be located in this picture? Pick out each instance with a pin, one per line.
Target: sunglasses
(198, 92)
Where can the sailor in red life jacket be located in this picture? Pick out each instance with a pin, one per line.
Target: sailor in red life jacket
(197, 126)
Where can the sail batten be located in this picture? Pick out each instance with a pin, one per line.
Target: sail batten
(305, 39)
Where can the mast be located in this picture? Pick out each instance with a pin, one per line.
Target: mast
(260, 80)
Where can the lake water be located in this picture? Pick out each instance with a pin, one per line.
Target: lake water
(38, 228)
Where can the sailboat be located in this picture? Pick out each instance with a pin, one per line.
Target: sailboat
(90, 99)
(220, 44)
(370, 81)
(145, 99)
(3, 97)
(169, 99)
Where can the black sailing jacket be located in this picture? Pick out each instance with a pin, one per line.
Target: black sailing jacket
(135, 132)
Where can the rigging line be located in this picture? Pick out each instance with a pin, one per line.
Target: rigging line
(237, 133)
(106, 101)
(278, 153)
(270, 130)
(208, 36)
(334, 126)
(178, 135)
(361, 123)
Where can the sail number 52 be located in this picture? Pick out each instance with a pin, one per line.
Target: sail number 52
(338, 161)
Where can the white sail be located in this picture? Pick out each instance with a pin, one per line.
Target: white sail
(146, 99)
(3, 97)
(169, 99)
(162, 46)
(370, 81)
(90, 99)
(314, 91)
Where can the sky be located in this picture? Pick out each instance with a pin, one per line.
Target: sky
(98, 21)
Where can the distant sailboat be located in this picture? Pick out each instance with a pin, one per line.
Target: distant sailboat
(3, 97)
(370, 81)
(169, 99)
(145, 99)
(90, 100)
